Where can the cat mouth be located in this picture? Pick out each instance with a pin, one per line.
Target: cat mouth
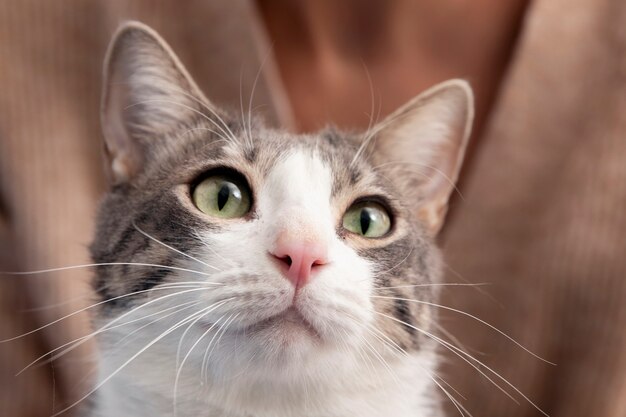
(288, 322)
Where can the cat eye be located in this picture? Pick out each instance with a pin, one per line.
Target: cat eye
(224, 196)
(368, 219)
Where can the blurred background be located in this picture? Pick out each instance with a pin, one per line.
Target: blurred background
(541, 221)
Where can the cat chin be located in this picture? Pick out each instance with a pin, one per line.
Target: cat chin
(284, 338)
(287, 328)
(285, 346)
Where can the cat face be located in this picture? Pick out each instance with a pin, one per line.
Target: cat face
(256, 249)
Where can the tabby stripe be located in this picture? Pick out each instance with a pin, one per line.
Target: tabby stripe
(402, 312)
(153, 276)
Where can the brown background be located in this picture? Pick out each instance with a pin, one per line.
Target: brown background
(543, 213)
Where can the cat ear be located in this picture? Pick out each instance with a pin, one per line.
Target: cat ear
(422, 144)
(147, 93)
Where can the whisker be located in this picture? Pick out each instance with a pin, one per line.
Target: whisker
(204, 357)
(372, 98)
(480, 290)
(207, 354)
(164, 287)
(156, 100)
(471, 316)
(246, 135)
(371, 135)
(362, 354)
(460, 408)
(393, 346)
(372, 122)
(119, 369)
(182, 364)
(67, 301)
(172, 248)
(216, 253)
(177, 309)
(455, 340)
(435, 169)
(436, 284)
(79, 341)
(206, 129)
(460, 353)
(376, 353)
(224, 127)
(397, 264)
(254, 84)
(447, 384)
(390, 342)
(182, 338)
(454, 349)
(67, 268)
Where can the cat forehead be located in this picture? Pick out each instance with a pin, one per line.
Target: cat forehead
(328, 157)
(300, 175)
(322, 163)
(269, 148)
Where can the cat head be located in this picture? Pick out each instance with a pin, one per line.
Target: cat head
(290, 248)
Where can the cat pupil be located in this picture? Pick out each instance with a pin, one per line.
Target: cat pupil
(222, 196)
(365, 220)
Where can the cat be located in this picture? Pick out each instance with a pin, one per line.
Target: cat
(251, 272)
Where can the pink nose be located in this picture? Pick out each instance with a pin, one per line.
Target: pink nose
(300, 258)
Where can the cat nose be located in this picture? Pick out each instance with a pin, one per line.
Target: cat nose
(300, 258)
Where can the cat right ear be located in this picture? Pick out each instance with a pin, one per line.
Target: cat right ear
(147, 94)
(421, 147)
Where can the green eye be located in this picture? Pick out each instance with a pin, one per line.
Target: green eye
(222, 196)
(368, 219)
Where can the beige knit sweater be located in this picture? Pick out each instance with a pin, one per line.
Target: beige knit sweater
(543, 219)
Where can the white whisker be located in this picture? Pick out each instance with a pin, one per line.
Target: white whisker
(454, 349)
(177, 309)
(480, 290)
(182, 337)
(156, 100)
(68, 268)
(246, 134)
(182, 364)
(207, 353)
(165, 287)
(224, 126)
(77, 342)
(396, 265)
(462, 410)
(254, 84)
(430, 167)
(119, 369)
(471, 316)
(437, 284)
(459, 352)
(172, 248)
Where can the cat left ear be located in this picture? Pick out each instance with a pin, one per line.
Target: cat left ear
(147, 93)
(421, 147)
